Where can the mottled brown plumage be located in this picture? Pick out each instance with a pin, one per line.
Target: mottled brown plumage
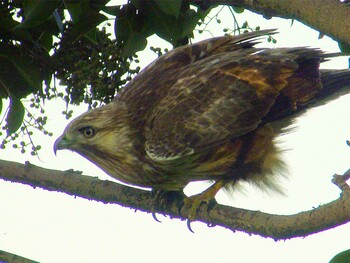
(207, 111)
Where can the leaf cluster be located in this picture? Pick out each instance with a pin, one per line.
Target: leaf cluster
(67, 41)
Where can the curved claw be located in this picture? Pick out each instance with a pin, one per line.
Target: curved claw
(194, 203)
(155, 217)
(164, 198)
(189, 225)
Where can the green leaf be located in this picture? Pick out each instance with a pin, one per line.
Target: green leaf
(8, 26)
(37, 12)
(19, 74)
(75, 9)
(138, 3)
(7, 23)
(189, 22)
(237, 9)
(46, 40)
(162, 24)
(122, 28)
(140, 19)
(202, 14)
(86, 26)
(92, 36)
(170, 7)
(135, 42)
(111, 10)
(131, 30)
(342, 257)
(85, 18)
(165, 26)
(9, 79)
(29, 71)
(14, 117)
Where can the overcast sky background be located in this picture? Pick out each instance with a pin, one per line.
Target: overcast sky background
(54, 227)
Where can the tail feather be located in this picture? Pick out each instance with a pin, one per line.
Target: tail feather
(335, 83)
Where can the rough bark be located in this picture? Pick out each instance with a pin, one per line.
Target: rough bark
(328, 16)
(9, 257)
(277, 227)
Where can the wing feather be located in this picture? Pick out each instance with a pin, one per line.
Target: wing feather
(200, 95)
(206, 107)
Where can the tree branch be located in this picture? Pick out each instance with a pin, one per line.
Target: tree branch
(277, 227)
(9, 257)
(328, 16)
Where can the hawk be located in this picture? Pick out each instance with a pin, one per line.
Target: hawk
(207, 111)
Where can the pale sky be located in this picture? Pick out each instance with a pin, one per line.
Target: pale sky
(54, 227)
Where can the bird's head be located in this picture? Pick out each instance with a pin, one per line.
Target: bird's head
(78, 135)
(98, 135)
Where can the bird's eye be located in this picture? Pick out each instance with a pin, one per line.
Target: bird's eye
(88, 131)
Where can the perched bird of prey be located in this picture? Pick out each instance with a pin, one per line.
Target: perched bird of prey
(206, 111)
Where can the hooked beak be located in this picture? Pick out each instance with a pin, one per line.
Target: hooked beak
(60, 143)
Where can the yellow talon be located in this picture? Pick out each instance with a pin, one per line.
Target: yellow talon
(194, 202)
